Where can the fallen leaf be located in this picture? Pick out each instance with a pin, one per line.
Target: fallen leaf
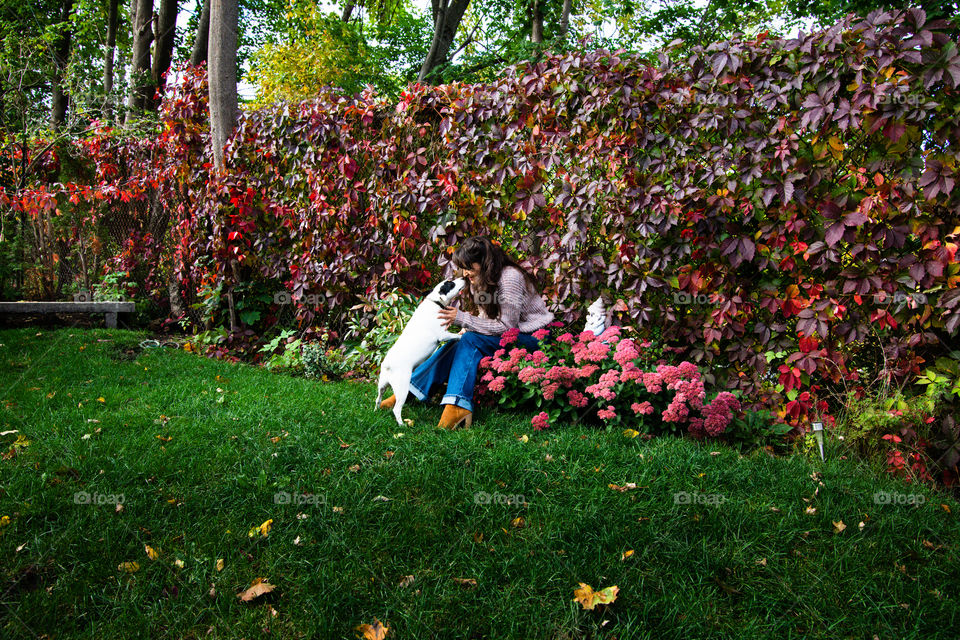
(388, 454)
(129, 567)
(626, 554)
(524, 438)
(119, 508)
(151, 552)
(354, 468)
(382, 499)
(838, 527)
(101, 399)
(338, 509)
(400, 434)
(219, 564)
(296, 541)
(518, 522)
(945, 508)
(810, 511)
(375, 631)
(631, 433)
(263, 529)
(588, 598)
(406, 581)
(762, 562)
(861, 525)
(626, 487)
(178, 563)
(258, 588)
(465, 582)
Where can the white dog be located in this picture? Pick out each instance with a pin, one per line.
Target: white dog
(416, 343)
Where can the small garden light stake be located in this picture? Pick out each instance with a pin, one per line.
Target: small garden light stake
(818, 432)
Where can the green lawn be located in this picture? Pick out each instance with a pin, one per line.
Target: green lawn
(744, 559)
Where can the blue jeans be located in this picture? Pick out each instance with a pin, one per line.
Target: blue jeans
(457, 362)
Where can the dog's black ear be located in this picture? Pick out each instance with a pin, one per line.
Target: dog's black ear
(446, 287)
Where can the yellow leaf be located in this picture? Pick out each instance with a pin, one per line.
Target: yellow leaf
(836, 144)
(588, 598)
(129, 567)
(838, 527)
(810, 511)
(945, 508)
(375, 631)
(4, 521)
(219, 564)
(263, 529)
(101, 399)
(178, 563)
(631, 433)
(626, 554)
(151, 552)
(518, 522)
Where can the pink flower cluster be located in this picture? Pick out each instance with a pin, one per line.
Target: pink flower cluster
(541, 421)
(716, 416)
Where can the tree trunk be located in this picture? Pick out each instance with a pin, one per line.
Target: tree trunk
(565, 20)
(347, 11)
(447, 15)
(61, 53)
(140, 67)
(199, 54)
(163, 48)
(536, 29)
(108, 59)
(222, 57)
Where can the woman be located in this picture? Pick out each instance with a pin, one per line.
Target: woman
(506, 297)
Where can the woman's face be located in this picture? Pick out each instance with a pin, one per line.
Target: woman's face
(472, 272)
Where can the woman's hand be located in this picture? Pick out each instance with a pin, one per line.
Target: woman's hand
(447, 316)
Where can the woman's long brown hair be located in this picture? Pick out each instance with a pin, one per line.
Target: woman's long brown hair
(492, 260)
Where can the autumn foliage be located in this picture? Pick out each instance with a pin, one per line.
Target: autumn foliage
(761, 197)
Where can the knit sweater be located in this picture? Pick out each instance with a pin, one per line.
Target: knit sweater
(520, 307)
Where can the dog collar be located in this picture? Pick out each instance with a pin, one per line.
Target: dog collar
(442, 306)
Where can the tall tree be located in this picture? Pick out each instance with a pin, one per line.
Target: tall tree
(200, 43)
(222, 58)
(536, 19)
(447, 15)
(61, 53)
(112, 21)
(163, 46)
(140, 58)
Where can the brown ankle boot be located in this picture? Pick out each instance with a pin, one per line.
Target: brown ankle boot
(389, 402)
(453, 416)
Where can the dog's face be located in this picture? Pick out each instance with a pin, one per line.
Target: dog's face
(447, 290)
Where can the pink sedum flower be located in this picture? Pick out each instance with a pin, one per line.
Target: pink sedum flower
(607, 414)
(497, 383)
(541, 421)
(509, 337)
(540, 334)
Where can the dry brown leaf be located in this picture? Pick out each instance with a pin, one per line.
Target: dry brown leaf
(257, 589)
(838, 527)
(465, 582)
(406, 582)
